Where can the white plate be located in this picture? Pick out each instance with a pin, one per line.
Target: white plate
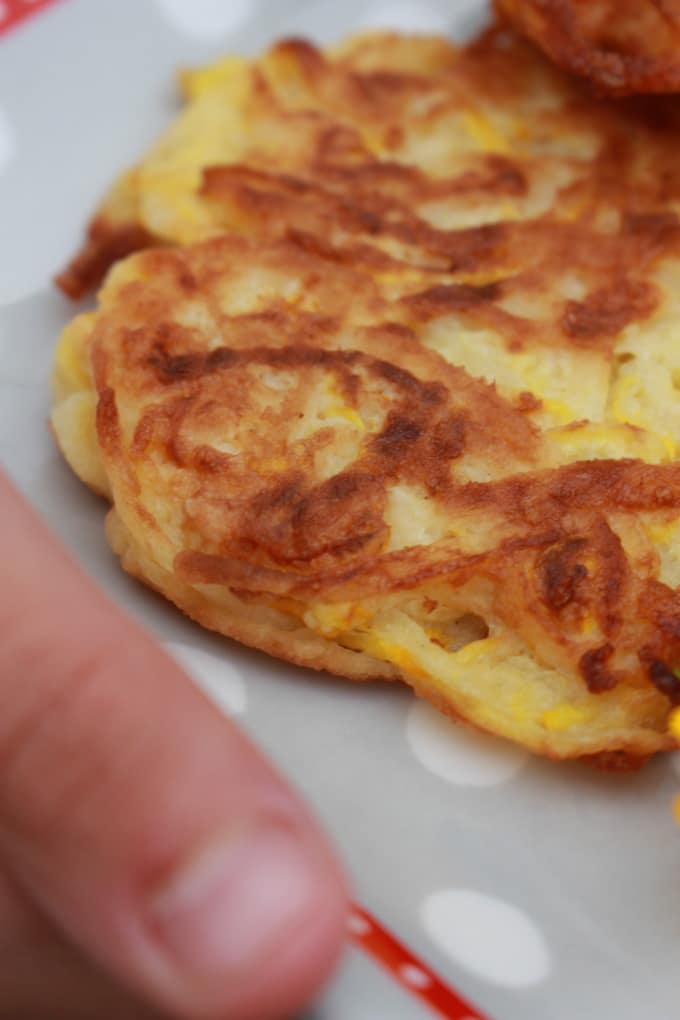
(541, 892)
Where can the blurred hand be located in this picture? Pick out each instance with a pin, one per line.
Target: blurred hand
(151, 861)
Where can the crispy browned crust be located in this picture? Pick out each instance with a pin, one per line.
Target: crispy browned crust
(620, 46)
(245, 621)
(330, 191)
(265, 522)
(105, 244)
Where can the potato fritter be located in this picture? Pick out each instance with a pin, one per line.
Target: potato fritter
(406, 404)
(292, 466)
(620, 46)
(485, 166)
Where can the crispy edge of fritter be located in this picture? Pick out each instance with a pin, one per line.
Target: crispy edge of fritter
(303, 647)
(114, 232)
(554, 27)
(237, 619)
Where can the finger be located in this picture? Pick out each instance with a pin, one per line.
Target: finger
(141, 820)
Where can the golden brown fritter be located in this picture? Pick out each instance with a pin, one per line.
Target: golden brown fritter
(484, 167)
(407, 405)
(292, 466)
(402, 148)
(620, 46)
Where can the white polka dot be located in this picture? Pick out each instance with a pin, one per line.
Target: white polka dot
(358, 925)
(414, 976)
(404, 16)
(7, 143)
(214, 674)
(457, 754)
(4, 10)
(492, 939)
(206, 19)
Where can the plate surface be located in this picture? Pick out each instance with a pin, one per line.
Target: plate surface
(541, 892)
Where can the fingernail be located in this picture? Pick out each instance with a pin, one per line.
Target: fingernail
(227, 907)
